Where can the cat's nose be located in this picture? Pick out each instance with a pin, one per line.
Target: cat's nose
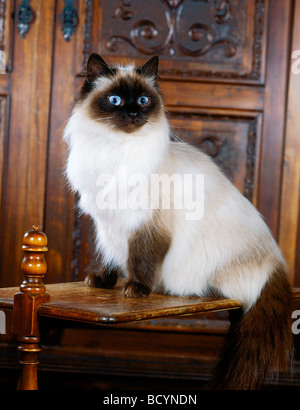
(132, 114)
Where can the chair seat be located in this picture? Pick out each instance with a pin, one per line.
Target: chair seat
(76, 301)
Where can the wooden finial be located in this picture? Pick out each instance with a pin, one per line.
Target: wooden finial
(26, 302)
(34, 266)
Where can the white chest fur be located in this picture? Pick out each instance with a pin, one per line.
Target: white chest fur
(97, 155)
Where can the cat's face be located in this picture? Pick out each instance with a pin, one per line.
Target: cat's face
(124, 98)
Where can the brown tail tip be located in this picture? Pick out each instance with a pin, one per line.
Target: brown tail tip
(260, 342)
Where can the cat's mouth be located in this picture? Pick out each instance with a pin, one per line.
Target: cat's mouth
(130, 123)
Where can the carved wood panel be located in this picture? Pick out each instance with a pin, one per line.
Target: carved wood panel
(215, 39)
(231, 140)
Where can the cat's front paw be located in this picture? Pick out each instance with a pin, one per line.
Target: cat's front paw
(136, 290)
(95, 280)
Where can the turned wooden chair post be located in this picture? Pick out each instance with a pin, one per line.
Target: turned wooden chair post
(32, 294)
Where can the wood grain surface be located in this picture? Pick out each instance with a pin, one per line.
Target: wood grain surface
(76, 301)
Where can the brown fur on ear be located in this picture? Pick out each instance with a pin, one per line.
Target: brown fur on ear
(146, 250)
(97, 67)
(150, 68)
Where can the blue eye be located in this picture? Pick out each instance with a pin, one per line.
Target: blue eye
(143, 100)
(115, 100)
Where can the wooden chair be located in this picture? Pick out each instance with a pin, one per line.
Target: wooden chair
(76, 302)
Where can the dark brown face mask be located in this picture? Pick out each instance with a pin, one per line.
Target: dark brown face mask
(130, 101)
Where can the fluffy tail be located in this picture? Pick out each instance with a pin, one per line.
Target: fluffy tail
(260, 342)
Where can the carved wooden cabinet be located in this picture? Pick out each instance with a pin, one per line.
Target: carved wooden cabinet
(225, 72)
(198, 39)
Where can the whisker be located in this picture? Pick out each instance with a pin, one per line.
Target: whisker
(175, 137)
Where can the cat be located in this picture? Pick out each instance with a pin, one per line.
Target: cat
(118, 123)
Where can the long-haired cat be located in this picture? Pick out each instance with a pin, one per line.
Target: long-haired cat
(119, 123)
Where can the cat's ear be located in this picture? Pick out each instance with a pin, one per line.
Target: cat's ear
(97, 67)
(150, 68)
